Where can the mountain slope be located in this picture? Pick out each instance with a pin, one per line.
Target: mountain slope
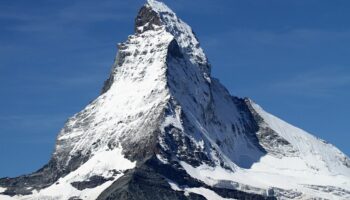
(163, 128)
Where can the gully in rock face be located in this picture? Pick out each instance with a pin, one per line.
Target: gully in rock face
(164, 128)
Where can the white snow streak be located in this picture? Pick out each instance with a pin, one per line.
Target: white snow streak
(319, 164)
(101, 164)
(208, 194)
(2, 189)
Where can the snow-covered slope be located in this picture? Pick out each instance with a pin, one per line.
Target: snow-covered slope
(316, 169)
(321, 156)
(163, 128)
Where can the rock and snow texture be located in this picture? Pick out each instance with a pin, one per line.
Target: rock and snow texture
(89, 180)
(163, 128)
(316, 169)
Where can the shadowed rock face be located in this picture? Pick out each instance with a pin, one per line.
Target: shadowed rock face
(161, 108)
(147, 19)
(150, 181)
(92, 182)
(268, 138)
(43, 178)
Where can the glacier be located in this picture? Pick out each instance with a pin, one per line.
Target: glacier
(164, 128)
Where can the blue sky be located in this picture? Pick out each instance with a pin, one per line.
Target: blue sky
(291, 57)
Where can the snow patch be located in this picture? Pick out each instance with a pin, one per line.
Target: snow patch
(270, 172)
(162, 159)
(208, 194)
(103, 163)
(2, 189)
(143, 81)
(319, 156)
(174, 186)
(2, 197)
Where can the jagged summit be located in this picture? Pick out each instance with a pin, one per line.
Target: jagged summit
(156, 16)
(155, 13)
(163, 128)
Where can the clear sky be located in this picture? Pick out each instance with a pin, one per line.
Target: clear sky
(292, 57)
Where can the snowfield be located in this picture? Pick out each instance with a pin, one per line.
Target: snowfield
(162, 115)
(2, 189)
(319, 155)
(104, 163)
(314, 167)
(208, 194)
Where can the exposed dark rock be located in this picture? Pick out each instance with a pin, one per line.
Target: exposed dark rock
(143, 184)
(74, 198)
(200, 130)
(174, 50)
(92, 182)
(24, 185)
(271, 141)
(146, 19)
(150, 181)
(44, 177)
(183, 147)
(107, 84)
(330, 189)
(136, 151)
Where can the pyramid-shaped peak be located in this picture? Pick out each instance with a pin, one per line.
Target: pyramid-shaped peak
(155, 14)
(158, 6)
(163, 129)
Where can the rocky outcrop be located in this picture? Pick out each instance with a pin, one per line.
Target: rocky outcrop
(151, 181)
(163, 128)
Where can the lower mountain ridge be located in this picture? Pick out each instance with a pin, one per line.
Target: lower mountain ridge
(163, 128)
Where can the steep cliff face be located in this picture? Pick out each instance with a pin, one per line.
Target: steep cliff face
(163, 128)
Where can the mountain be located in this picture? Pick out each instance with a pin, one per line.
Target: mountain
(163, 128)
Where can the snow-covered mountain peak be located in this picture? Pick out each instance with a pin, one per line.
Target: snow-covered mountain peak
(163, 128)
(159, 6)
(155, 13)
(155, 17)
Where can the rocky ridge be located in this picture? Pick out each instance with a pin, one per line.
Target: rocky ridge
(163, 128)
